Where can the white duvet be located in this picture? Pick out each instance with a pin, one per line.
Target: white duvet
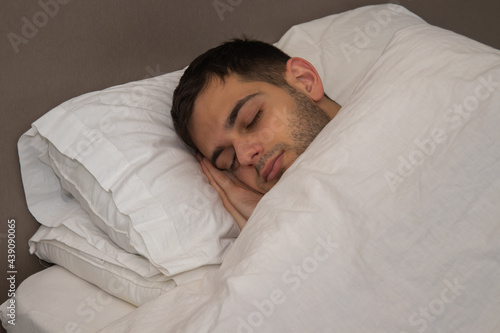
(389, 222)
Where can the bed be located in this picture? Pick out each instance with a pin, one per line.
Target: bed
(388, 222)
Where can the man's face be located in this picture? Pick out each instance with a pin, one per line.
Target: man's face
(254, 130)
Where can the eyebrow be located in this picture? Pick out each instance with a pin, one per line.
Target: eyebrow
(230, 120)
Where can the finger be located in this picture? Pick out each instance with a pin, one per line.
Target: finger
(239, 195)
(225, 199)
(210, 172)
(209, 175)
(220, 177)
(240, 220)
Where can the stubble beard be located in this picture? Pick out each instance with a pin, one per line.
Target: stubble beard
(305, 121)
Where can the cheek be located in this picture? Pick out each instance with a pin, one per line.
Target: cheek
(276, 126)
(269, 134)
(278, 119)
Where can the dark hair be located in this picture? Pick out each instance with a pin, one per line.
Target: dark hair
(250, 59)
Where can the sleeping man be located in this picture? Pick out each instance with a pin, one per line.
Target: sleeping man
(249, 110)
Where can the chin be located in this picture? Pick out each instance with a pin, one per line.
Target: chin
(266, 187)
(263, 188)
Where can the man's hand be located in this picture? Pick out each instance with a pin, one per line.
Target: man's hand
(238, 199)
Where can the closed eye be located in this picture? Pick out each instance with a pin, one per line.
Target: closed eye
(254, 120)
(228, 160)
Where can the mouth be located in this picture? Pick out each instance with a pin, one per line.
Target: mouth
(272, 168)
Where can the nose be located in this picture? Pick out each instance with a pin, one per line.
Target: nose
(248, 150)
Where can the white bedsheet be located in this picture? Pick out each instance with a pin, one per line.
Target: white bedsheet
(56, 301)
(389, 222)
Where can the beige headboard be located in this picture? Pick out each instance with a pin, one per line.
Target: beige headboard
(53, 50)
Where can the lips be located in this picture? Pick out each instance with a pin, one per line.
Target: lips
(272, 168)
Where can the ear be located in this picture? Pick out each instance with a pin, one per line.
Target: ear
(302, 75)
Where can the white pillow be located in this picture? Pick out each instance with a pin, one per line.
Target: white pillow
(116, 151)
(62, 246)
(87, 252)
(74, 242)
(56, 301)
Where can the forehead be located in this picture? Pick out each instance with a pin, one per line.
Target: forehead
(212, 107)
(219, 95)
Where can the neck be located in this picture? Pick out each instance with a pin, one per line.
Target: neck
(330, 107)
